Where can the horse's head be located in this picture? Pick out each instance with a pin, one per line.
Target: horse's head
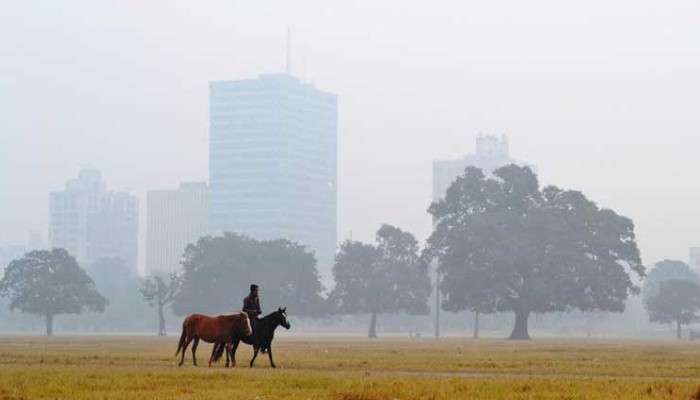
(245, 324)
(281, 317)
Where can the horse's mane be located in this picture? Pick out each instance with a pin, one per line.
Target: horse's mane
(268, 316)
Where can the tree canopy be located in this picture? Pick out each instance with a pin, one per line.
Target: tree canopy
(504, 244)
(674, 301)
(50, 283)
(218, 270)
(666, 270)
(385, 278)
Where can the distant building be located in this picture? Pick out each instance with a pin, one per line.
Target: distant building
(492, 152)
(694, 260)
(272, 162)
(91, 222)
(175, 218)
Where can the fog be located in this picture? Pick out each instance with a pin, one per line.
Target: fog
(600, 96)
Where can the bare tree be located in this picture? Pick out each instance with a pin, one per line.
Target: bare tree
(158, 292)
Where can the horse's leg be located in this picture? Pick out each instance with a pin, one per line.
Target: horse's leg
(234, 346)
(194, 350)
(213, 352)
(184, 350)
(228, 350)
(255, 354)
(269, 355)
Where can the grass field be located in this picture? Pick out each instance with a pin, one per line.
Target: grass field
(109, 367)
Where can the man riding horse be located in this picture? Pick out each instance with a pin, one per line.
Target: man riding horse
(262, 330)
(251, 305)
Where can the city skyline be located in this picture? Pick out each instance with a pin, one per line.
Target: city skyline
(606, 111)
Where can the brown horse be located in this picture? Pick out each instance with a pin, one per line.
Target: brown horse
(221, 329)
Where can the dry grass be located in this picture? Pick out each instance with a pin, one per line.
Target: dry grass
(351, 369)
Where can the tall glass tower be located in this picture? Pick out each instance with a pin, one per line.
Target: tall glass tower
(273, 160)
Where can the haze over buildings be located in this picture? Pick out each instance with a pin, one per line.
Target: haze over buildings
(272, 162)
(176, 218)
(601, 95)
(91, 222)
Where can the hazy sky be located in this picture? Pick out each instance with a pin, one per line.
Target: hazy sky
(603, 96)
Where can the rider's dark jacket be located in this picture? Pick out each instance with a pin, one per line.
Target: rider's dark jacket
(251, 305)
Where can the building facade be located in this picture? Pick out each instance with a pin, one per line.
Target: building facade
(175, 218)
(492, 152)
(272, 162)
(91, 222)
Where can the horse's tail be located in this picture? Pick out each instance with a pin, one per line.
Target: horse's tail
(183, 336)
(219, 349)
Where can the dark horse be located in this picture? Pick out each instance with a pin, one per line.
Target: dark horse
(221, 329)
(261, 339)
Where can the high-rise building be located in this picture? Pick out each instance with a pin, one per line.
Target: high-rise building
(272, 162)
(91, 222)
(492, 152)
(175, 218)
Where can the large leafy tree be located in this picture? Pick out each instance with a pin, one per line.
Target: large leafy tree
(674, 301)
(158, 292)
(666, 270)
(503, 243)
(218, 270)
(382, 279)
(50, 283)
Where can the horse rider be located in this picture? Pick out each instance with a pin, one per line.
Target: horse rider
(251, 305)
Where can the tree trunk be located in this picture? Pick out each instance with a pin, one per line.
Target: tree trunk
(520, 331)
(678, 330)
(437, 302)
(161, 321)
(373, 326)
(476, 325)
(49, 324)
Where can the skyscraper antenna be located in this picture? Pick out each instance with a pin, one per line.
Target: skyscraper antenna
(289, 51)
